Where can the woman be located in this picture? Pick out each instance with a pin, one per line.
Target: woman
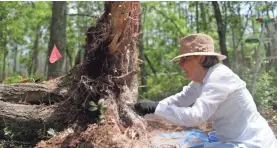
(218, 94)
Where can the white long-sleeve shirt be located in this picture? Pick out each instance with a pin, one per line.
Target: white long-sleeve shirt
(224, 99)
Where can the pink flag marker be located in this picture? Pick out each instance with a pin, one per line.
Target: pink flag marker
(55, 55)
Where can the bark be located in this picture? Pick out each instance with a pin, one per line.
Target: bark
(221, 32)
(31, 93)
(58, 37)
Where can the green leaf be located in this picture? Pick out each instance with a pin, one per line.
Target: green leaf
(101, 102)
(94, 108)
(91, 103)
(103, 109)
(102, 121)
(51, 132)
(101, 117)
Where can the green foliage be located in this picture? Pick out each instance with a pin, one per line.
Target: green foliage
(20, 22)
(9, 133)
(266, 90)
(161, 36)
(163, 85)
(15, 78)
(101, 107)
(12, 133)
(78, 24)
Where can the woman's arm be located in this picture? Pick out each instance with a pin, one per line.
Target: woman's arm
(184, 98)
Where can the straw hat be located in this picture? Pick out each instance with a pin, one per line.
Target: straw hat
(197, 44)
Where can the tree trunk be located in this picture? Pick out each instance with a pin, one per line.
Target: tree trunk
(15, 59)
(273, 36)
(203, 16)
(107, 75)
(187, 15)
(4, 65)
(234, 50)
(34, 65)
(258, 60)
(57, 37)
(242, 61)
(268, 53)
(221, 32)
(197, 16)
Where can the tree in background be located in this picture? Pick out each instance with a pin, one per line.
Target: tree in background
(58, 37)
(221, 29)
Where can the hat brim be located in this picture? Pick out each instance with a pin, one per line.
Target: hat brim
(220, 56)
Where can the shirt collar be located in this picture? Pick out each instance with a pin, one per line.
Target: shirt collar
(210, 70)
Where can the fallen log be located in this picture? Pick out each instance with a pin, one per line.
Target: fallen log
(22, 120)
(31, 93)
(26, 110)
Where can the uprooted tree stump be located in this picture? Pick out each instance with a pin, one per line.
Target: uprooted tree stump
(70, 104)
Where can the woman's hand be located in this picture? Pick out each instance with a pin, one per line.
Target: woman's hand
(144, 107)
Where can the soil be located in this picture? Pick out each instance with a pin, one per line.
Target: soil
(159, 126)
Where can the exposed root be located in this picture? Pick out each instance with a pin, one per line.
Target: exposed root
(125, 77)
(109, 134)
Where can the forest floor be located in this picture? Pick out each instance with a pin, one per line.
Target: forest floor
(271, 117)
(156, 126)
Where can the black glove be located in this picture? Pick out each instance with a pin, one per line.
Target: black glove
(144, 107)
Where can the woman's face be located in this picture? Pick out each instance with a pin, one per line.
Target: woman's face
(193, 69)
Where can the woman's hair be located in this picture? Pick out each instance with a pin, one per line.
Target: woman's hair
(210, 61)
